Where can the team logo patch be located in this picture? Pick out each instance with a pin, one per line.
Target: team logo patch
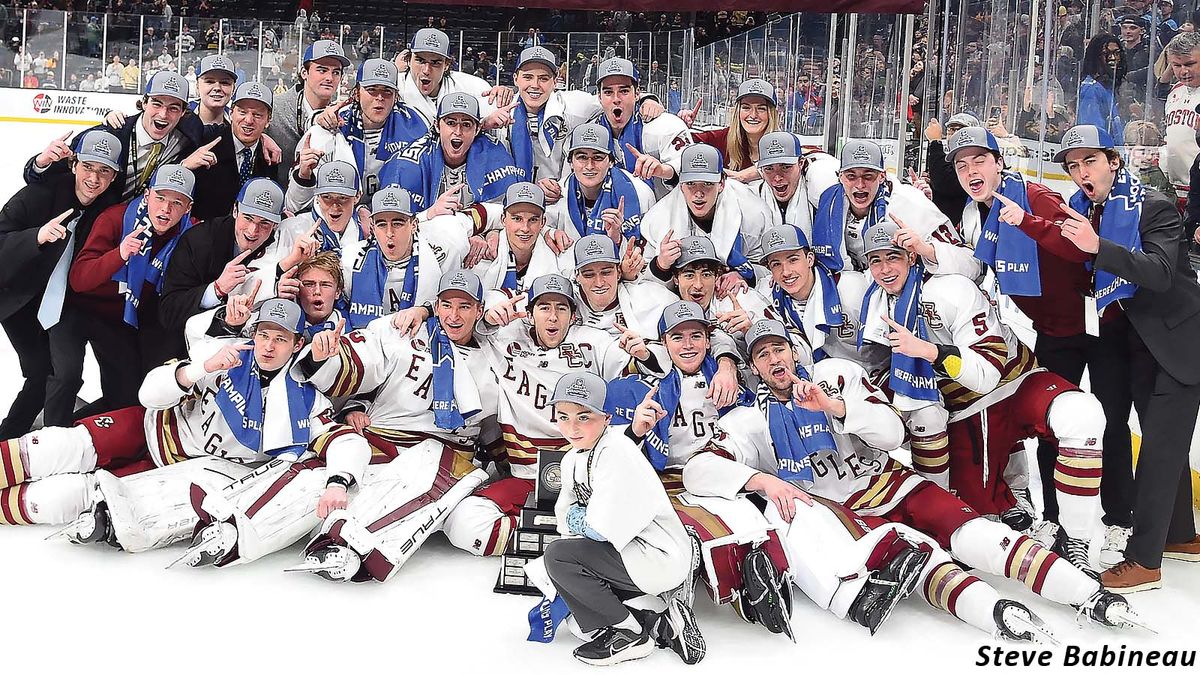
(589, 136)
(755, 88)
(578, 389)
(699, 161)
(390, 200)
(255, 91)
(222, 63)
(176, 178)
(684, 311)
(879, 235)
(335, 176)
(332, 47)
(593, 248)
(264, 200)
(861, 154)
(459, 279)
(697, 246)
(775, 148)
(775, 240)
(171, 85)
(525, 192)
(382, 70)
(102, 147)
(459, 103)
(1073, 138)
(277, 311)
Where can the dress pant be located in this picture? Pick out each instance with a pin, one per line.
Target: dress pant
(592, 579)
(33, 353)
(115, 345)
(1107, 362)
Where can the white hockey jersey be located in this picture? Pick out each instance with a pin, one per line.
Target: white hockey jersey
(454, 81)
(298, 225)
(739, 211)
(558, 214)
(542, 261)
(820, 175)
(1179, 153)
(564, 110)
(664, 139)
(840, 342)
(440, 250)
(639, 306)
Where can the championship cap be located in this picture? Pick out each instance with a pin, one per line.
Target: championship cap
(166, 83)
(254, 91)
(971, 137)
(459, 102)
(783, 238)
(337, 178)
(962, 120)
(286, 313)
(590, 136)
(861, 155)
(392, 199)
(377, 71)
(694, 250)
(431, 40)
(217, 62)
(701, 162)
(778, 147)
(616, 66)
(585, 389)
(261, 197)
(1083, 136)
(880, 238)
(101, 147)
(325, 48)
(524, 193)
(551, 284)
(463, 281)
(678, 313)
(764, 329)
(540, 55)
(595, 248)
(756, 87)
(176, 178)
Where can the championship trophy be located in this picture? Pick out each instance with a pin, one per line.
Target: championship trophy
(536, 527)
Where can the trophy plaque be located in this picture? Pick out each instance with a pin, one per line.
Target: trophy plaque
(536, 527)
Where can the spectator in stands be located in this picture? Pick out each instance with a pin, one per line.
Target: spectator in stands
(532, 39)
(1133, 39)
(1145, 141)
(1103, 71)
(114, 72)
(131, 75)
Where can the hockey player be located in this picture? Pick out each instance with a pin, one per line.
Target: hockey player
(696, 274)
(455, 166)
(792, 179)
(946, 336)
(334, 197)
(522, 253)
(839, 451)
(607, 301)
(528, 356)
(430, 79)
(321, 70)
(544, 117)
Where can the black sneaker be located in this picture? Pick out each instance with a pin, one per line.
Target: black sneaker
(762, 592)
(681, 633)
(615, 645)
(886, 587)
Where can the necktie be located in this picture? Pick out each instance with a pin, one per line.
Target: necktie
(50, 310)
(247, 165)
(151, 164)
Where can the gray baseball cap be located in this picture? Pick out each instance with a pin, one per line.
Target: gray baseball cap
(694, 250)
(970, 137)
(325, 48)
(585, 389)
(524, 193)
(431, 40)
(392, 199)
(590, 136)
(286, 313)
(701, 162)
(378, 72)
(756, 87)
(459, 102)
(101, 147)
(261, 197)
(176, 178)
(879, 238)
(764, 329)
(463, 281)
(337, 178)
(217, 62)
(1083, 136)
(778, 147)
(537, 55)
(963, 120)
(616, 66)
(595, 248)
(254, 91)
(782, 238)
(549, 284)
(166, 83)
(678, 313)
(861, 155)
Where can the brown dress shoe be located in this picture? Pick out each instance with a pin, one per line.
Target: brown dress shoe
(1189, 550)
(1130, 577)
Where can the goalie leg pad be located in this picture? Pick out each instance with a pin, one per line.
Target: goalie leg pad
(728, 530)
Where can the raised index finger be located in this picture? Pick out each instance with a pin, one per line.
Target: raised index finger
(62, 216)
(696, 108)
(635, 151)
(650, 393)
(896, 219)
(254, 291)
(209, 145)
(341, 326)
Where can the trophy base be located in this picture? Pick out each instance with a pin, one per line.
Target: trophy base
(512, 579)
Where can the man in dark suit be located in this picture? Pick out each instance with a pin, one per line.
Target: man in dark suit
(41, 229)
(239, 154)
(1141, 270)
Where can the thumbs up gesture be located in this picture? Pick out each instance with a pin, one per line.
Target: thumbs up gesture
(327, 342)
(647, 414)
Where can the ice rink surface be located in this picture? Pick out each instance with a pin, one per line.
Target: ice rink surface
(93, 609)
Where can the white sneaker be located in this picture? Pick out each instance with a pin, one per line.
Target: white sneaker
(1044, 533)
(1113, 550)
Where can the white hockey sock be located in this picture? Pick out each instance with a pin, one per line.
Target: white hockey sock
(56, 500)
(1077, 469)
(996, 548)
(57, 450)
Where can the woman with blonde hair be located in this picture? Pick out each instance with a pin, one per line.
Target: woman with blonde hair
(755, 113)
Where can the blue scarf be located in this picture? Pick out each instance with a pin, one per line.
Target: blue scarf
(829, 223)
(239, 397)
(796, 433)
(403, 126)
(545, 617)
(1119, 223)
(370, 281)
(1011, 253)
(522, 144)
(142, 269)
(831, 313)
(616, 185)
(418, 168)
(909, 376)
(445, 406)
(311, 329)
(330, 240)
(631, 134)
(624, 395)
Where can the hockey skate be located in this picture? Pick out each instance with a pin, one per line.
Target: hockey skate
(1018, 623)
(681, 633)
(90, 527)
(210, 545)
(1075, 551)
(335, 563)
(887, 586)
(1109, 609)
(1017, 518)
(1045, 533)
(764, 596)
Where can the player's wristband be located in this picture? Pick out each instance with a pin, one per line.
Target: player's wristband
(340, 479)
(949, 361)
